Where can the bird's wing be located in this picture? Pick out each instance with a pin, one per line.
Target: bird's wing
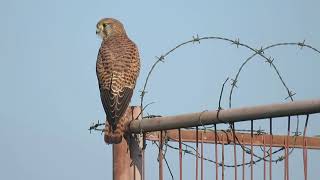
(115, 104)
(117, 73)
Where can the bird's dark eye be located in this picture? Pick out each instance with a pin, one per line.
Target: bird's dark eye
(104, 25)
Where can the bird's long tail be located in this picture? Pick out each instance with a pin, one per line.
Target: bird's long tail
(113, 137)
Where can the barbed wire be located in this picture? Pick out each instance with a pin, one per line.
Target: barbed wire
(235, 80)
(259, 52)
(269, 60)
(95, 127)
(234, 83)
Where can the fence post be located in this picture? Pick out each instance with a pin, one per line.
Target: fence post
(128, 155)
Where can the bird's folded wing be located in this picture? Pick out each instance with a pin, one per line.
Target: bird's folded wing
(115, 103)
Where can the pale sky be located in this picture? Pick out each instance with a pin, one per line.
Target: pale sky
(49, 94)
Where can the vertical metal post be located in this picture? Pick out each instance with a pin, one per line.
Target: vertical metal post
(201, 155)
(127, 155)
(287, 148)
(264, 159)
(305, 150)
(270, 152)
(161, 157)
(197, 151)
(222, 156)
(285, 158)
(305, 160)
(251, 153)
(180, 154)
(234, 152)
(243, 160)
(216, 150)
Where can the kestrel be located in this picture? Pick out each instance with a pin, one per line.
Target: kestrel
(118, 66)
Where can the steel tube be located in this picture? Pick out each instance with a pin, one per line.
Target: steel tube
(226, 116)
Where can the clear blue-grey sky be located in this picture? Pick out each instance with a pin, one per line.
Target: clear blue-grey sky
(49, 94)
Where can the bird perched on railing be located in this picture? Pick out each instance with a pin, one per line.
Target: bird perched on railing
(117, 68)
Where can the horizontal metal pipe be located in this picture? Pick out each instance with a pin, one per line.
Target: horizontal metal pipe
(226, 137)
(226, 116)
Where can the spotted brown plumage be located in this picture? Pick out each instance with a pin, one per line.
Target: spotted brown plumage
(117, 69)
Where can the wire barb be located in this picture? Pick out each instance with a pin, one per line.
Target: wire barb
(161, 58)
(234, 83)
(196, 39)
(187, 149)
(270, 61)
(302, 44)
(236, 42)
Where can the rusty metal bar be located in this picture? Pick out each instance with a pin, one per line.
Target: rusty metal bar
(127, 162)
(305, 150)
(243, 161)
(264, 162)
(288, 155)
(235, 153)
(201, 155)
(270, 152)
(287, 148)
(235, 162)
(143, 163)
(270, 160)
(216, 150)
(251, 151)
(285, 160)
(305, 161)
(161, 157)
(121, 161)
(197, 151)
(180, 154)
(227, 115)
(222, 156)
(278, 140)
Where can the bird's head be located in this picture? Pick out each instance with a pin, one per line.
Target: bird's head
(107, 27)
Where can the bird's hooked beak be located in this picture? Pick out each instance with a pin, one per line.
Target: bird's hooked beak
(99, 32)
(99, 29)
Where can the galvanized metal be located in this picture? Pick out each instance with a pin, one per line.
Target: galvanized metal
(226, 116)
